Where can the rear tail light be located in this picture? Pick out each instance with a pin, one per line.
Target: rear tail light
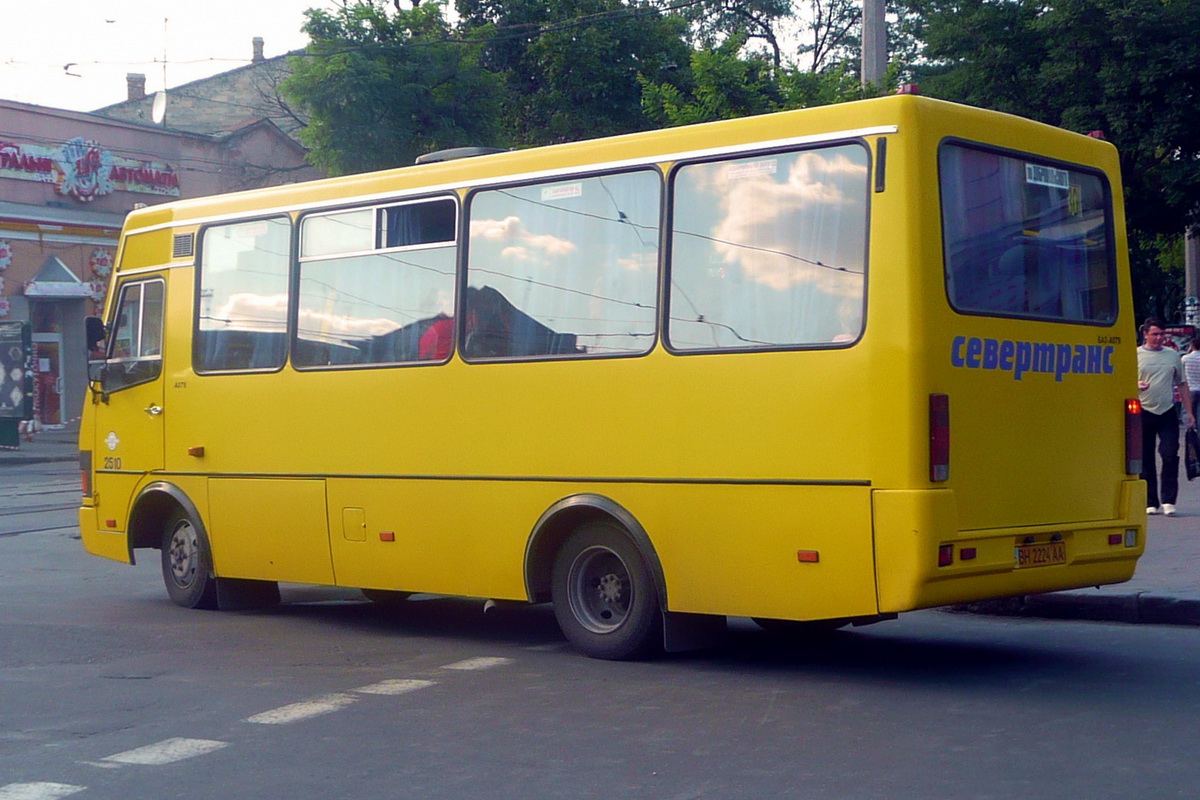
(1133, 436)
(85, 472)
(939, 437)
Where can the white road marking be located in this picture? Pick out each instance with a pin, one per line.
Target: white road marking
(38, 791)
(167, 751)
(301, 711)
(483, 662)
(398, 686)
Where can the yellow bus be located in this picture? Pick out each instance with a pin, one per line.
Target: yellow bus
(813, 368)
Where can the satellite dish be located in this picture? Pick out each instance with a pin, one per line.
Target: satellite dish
(158, 112)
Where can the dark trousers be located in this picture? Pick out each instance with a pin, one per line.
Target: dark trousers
(1164, 427)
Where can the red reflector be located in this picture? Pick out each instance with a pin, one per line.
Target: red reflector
(387, 536)
(808, 556)
(945, 555)
(1115, 538)
(85, 472)
(1133, 436)
(939, 437)
(112, 523)
(966, 554)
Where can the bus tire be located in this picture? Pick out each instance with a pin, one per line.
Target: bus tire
(604, 598)
(187, 564)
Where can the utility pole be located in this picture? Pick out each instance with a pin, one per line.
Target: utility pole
(874, 43)
(1191, 274)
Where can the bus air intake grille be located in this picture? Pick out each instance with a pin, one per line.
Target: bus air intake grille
(184, 245)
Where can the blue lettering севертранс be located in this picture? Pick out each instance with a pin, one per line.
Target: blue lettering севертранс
(1022, 357)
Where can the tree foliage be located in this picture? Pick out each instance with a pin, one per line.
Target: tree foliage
(721, 84)
(381, 88)
(1130, 68)
(571, 67)
(831, 33)
(751, 22)
(381, 84)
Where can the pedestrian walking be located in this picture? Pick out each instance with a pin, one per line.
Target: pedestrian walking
(1160, 374)
(1191, 368)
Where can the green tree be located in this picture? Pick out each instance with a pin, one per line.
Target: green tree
(382, 88)
(830, 33)
(1129, 68)
(1158, 281)
(572, 67)
(721, 84)
(752, 22)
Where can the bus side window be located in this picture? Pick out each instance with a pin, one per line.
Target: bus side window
(563, 269)
(418, 223)
(377, 285)
(241, 318)
(769, 251)
(136, 349)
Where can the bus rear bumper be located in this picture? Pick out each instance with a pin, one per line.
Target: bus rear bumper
(922, 559)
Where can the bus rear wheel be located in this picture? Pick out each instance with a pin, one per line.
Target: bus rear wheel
(187, 563)
(604, 599)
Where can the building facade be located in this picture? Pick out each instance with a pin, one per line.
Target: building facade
(67, 180)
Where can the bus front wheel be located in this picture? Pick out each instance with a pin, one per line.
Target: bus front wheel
(187, 563)
(604, 598)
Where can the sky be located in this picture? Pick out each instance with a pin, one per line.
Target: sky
(101, 41)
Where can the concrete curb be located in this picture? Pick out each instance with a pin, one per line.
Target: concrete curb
(1135, 607)
(48, 447)
(39, 453)
(18, 462)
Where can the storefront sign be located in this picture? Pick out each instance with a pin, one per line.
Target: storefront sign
(84, 170)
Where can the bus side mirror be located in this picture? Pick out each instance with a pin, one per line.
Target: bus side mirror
(94, 332)
(97, 373)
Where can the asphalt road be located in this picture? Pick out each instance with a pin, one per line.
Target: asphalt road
(107, 690)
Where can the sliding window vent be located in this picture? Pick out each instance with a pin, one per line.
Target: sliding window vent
(185, 245)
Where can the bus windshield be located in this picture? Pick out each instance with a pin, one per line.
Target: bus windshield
(1026, 238)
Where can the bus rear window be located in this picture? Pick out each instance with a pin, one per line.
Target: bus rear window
(1026, 238)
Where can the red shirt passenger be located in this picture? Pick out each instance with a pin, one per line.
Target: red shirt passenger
(437, 340)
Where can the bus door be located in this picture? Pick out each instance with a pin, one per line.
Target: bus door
(129, 419)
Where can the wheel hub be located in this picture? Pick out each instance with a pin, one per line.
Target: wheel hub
(599, 590)
(184, 554)
(609, 588)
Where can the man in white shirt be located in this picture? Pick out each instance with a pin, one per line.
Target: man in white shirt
(1160, 373)
(1191, 369)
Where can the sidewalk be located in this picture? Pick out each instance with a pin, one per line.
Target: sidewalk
(1165, 590)
(46, 447)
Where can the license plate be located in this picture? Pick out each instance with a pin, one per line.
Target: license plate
(1040, 555)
